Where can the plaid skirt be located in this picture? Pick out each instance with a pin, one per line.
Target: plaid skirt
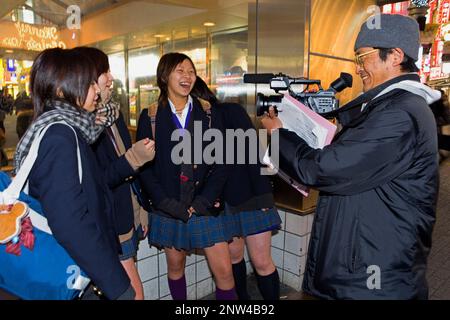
(247, 223)
(198, 233)
(129, 247)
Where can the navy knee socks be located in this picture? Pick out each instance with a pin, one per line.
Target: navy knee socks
(226, 294)
(178, 288)
(269, 286)
(240, 280)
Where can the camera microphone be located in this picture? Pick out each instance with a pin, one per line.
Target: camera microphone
(258, 77)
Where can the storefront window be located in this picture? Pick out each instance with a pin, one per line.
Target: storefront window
(229, 53)
(220, 60)
(117, 66)
(142, 64)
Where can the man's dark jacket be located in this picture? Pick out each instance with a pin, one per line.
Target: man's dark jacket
(376, 211)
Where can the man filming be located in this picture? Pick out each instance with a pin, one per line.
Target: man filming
(378, 179)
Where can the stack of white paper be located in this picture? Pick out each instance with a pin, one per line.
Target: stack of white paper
(308, 125)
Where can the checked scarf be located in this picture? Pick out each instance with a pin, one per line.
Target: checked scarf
(90, 125)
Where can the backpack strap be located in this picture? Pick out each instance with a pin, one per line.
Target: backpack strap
(152, 112)
(208, 114)
(20, 182)
(206, 106)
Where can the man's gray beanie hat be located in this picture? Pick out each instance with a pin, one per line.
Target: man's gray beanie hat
(390, 31)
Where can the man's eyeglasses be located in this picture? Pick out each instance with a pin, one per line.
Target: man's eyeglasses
(358, 58)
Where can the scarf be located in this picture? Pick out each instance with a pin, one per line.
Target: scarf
(82, 120)
(107, 113)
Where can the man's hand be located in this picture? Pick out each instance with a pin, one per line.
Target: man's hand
(270, 121)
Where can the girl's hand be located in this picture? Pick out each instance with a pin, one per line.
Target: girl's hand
(191, 211)
(144, 230)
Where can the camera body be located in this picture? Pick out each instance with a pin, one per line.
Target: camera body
(321, 101)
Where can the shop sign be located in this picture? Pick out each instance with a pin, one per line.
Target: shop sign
(432, 4)
(436, 73)
(10, 65)
(396, 8)
(444, 14)
(445, 31)
(438, 49)
(34, 38)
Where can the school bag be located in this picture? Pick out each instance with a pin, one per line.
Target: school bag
(40, 269)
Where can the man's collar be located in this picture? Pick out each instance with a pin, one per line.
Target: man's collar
(369, 95)
(347, 113)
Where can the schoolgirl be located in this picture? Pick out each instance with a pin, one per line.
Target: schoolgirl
(63, 88)
(183, 193)
(120, 161)
(250, 212)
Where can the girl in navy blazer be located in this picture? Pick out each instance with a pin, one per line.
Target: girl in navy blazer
(120, 160)
(64, 88)
(183, 193)
(249, 205)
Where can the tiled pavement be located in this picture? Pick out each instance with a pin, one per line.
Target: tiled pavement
(439, 260)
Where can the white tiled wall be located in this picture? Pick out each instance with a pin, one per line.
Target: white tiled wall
(151, 289)
(148, 268)
(163, 286)
(289, 248)
(152, 267)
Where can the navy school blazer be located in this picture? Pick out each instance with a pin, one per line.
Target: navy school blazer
(245, 189)
(160, 179)
(119, 175)
(78, 215)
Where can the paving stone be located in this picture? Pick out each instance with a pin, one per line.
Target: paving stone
(438, 272)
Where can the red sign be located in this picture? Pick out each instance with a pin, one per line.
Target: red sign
(396, 8)
(444, 12)
(432, 4)
(436, 73)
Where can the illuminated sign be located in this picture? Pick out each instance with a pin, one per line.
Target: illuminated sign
(34, 38)
(445, 31)
(10, 65)
(396, 8)
(432, 4)
(436, 73)
(444, 14)
(438, 50)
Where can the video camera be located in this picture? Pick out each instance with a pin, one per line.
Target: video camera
(321, 102)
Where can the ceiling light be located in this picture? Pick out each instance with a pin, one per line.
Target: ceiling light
(159, 36)
(209, 24)
(9, 51)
